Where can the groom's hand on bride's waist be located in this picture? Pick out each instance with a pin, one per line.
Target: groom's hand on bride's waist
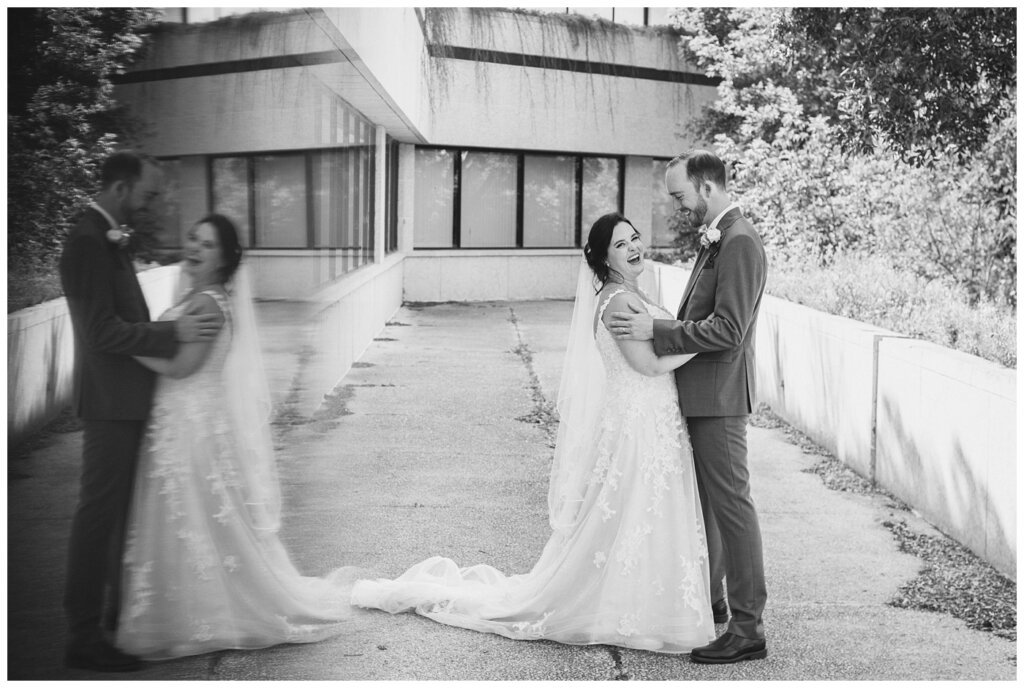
(636, 324)
(193, 326)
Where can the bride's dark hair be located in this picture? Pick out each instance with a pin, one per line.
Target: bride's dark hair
(230, 244)
(596, 248)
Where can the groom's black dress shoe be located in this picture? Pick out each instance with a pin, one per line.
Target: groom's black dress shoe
(100, 656)
(720, 610)
(729, 648)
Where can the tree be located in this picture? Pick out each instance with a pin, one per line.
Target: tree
(920, 81)
(62, 119)
(815, 195)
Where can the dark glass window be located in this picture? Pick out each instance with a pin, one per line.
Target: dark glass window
(391, 197)
(662, 207)
(496, 199)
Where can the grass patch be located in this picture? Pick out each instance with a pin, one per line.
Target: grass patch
(954, 581)
(542, 413)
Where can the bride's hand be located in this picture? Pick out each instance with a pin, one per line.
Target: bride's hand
(637, 324)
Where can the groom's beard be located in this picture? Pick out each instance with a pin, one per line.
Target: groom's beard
(695, 218)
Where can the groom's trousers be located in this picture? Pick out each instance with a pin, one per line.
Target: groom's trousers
(734, 534)
(93, 591)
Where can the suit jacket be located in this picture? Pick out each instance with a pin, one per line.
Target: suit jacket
(717, 320)
(111, 324)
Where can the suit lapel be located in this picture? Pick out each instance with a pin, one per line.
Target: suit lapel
(702, 258)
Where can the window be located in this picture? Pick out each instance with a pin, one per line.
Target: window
(662, 207)
(494, 199)
(298, 200)
(280, 186)
(232, 193)
(629, 15)
(600, 12)
(549, 200)
(434, 202)
(601, 189)
(391, 197)
(321, 199)
(166, 211)
(488, 208)
(658, 16)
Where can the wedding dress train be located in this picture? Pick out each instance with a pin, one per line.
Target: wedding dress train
(631, 569)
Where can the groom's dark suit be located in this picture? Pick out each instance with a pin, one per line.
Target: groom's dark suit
(113, 395)
(717, 319)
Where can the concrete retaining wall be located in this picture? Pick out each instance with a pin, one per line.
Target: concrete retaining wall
(41, 354)
(347, 316)
(342, 320)
(491, 275)
(946, 443)
(934, 426)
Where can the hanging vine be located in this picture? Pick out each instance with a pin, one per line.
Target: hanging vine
(560, 36)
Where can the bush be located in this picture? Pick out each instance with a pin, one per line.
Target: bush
(31, 282)
(872, 290)
(62, 121)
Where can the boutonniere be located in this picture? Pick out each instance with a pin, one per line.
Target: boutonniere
(710, 236)
(120, 236)
(709, 239)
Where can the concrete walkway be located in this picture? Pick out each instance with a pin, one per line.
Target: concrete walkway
(419, 452)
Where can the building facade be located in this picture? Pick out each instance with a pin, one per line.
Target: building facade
(375, 155)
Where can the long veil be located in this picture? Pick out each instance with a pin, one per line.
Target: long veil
(580, 399)
(249, 407)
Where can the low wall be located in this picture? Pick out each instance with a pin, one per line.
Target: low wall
(934, 426)
(346, 316)
(491, 275)
(41, 354)
(946, 422)
(344, 319)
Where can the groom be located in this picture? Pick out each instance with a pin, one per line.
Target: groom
(716, 320)
(113, 394)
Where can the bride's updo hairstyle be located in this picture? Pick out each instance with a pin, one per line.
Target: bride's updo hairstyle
(596, 248)
(230, 246)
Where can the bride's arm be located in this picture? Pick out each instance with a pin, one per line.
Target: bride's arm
(190, 356)
(640, 354)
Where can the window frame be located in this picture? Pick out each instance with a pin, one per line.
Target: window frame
(362, 197)
(520, 154)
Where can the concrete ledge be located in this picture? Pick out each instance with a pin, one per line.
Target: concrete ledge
(41, 354)
(344, 319)
(818, 369)
(491, 275)
(946, 443)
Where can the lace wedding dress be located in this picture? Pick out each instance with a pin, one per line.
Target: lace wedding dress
(631, 571)
(204, 569)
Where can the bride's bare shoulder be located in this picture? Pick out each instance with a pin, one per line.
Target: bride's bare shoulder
(618, 300)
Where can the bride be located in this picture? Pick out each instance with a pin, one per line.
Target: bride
(204, 569)
(626, 563)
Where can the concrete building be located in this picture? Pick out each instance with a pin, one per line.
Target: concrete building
(371, 156)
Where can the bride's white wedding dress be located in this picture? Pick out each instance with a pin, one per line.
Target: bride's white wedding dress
(204, 568)
(632, 568)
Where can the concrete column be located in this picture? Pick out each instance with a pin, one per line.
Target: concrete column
(406, 195)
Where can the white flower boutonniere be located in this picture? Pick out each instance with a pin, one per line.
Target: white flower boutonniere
(120, 236)
(710, 236)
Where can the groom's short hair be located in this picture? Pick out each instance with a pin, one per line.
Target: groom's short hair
(701, 166)
(123, 166)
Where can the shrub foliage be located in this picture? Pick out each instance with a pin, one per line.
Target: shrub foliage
(933, 217)
(62, 120)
